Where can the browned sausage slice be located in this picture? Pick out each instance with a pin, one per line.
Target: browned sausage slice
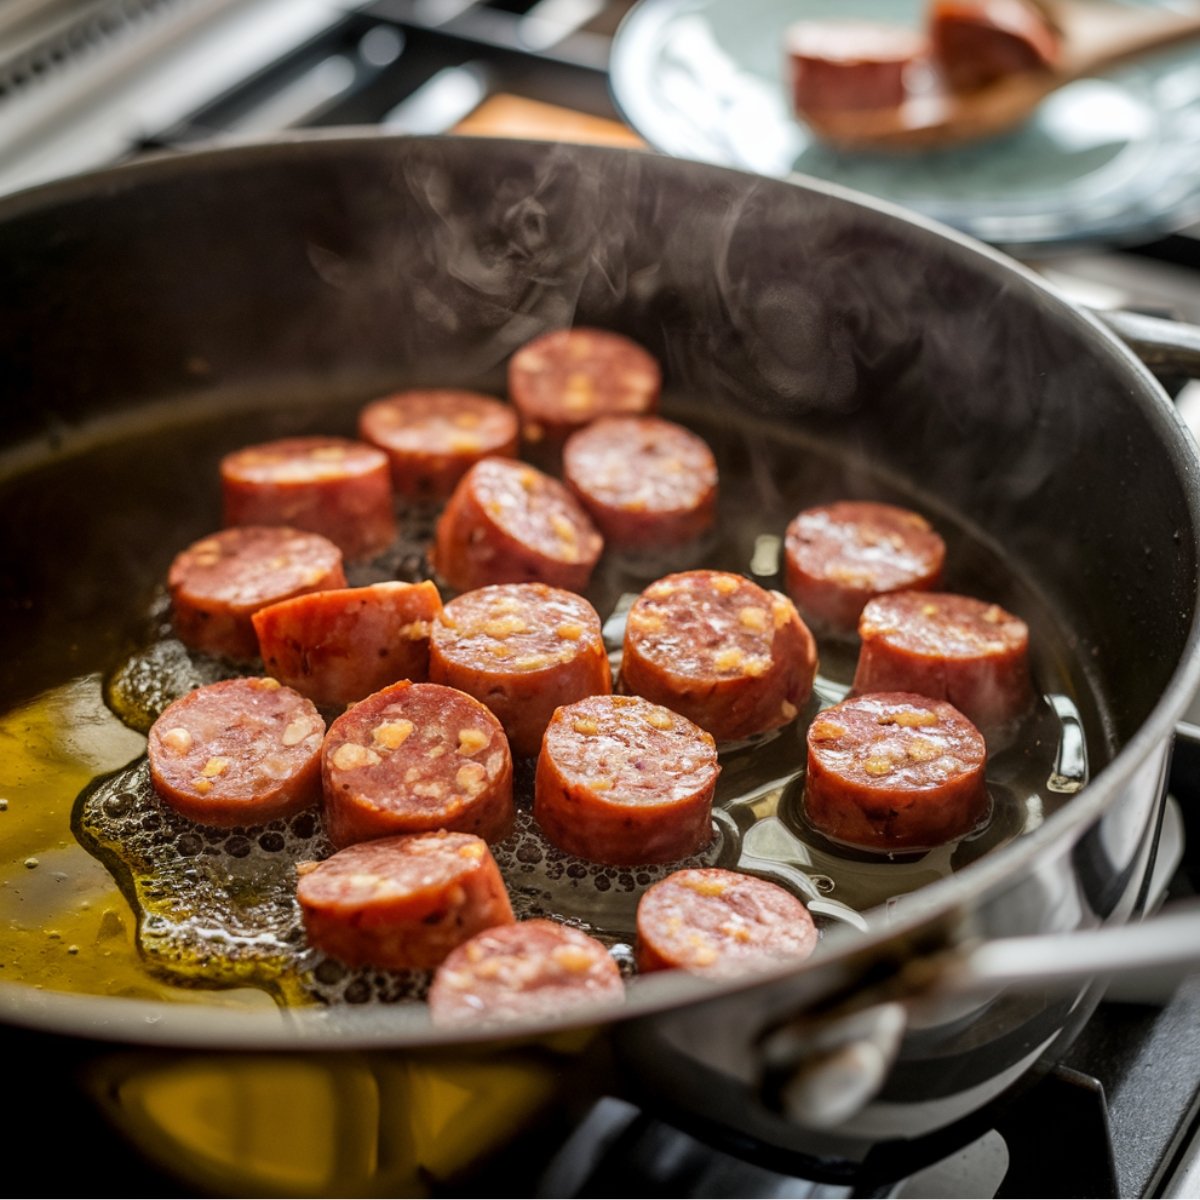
(624, 781)
(895, 771)
(402, 902)
(338, 488)
(977, 42)
(644, 481)
(838, 556)
(719, 649)
(530, 969)
(568, 377)
(339, 646)
(238, 752)
(718, 922)
(956, 648)
(523, 649)
(219, 582)
(851, 65)
(433, 437)
(510, 523)
(415, 757)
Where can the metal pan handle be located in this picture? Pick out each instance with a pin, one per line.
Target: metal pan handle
(1166, 347)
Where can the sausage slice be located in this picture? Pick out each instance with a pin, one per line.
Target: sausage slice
(402, 902)
(522, 649)
(568, 377)
(644, 481)
(339, 646)
(433, 437)
(838, 556)
(510, 523)
(714, 646)
(531, 969)
(219, 582)
(716, 922)
(978, 42)
(415, 757)
(956, 648)
(332, 486)
(239, 752)
(895, 771)
(623, 781)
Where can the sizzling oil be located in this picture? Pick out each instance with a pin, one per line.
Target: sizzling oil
(193, 910)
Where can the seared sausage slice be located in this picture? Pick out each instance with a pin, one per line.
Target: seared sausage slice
(433, 437)
(733, 658)
(895, 771)
(838, 556)
(522, 649)
(624, 781)
(716, 922)
(850, 65)
(219, 582)
(510, 523)
(956, 648)
(238, 752)
(564, 379)
(338, 488)
(402, 902)
(415, 757)
(644, 481)
(531, 969)
(978, 42)
(339, 646)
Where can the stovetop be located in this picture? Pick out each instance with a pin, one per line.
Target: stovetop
(84, 83)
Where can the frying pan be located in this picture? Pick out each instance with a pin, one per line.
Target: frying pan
(160, 313)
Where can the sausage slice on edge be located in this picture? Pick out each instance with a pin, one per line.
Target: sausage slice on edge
(838, 556)
(523, 649)
(402, 902)
(531, 969)
(238, 752)
(956, 648)
(978, 42)
(510, 523)
(644, 481)
(714, 646)
(717, 922)
(336, 487)
(568, 377)
(219, 582)
(433, 437)
(337, 647)
(416, 757)
(624, 782)
(895, 771)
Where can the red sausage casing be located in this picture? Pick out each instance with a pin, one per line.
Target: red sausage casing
(402, 902)
(733, 658)
(510, 523)
(332, 486)
(568, 377)
(895, 771)
(624, 781)
(523, 649)
(978, 42)
(644, 481)
(219, 582)
(337, 647)
(239, 752)
(415, 757)
(956, 648)
(534, 968)
(838, 556)
(716, 922)
(434, 436)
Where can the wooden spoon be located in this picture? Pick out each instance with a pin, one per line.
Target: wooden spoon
(1094, 36)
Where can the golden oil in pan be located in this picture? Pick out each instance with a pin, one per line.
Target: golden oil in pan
(216, 909)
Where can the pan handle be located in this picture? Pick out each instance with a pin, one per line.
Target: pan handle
(1166, 347)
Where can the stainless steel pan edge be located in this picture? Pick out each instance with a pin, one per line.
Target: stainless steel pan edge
(1116, 812)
